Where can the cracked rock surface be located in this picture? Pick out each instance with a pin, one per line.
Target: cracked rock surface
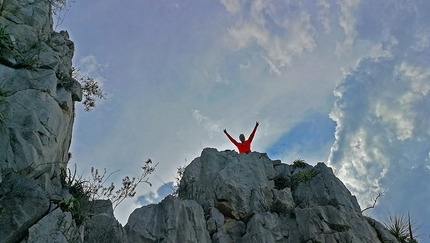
(227, 197)
(37, 96)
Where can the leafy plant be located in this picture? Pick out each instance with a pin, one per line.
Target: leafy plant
(90, 89)
(305, 175)
(401, 227)
(30, 63)
(7, 46)
(6, 43)
(85, 190)
(59, 9)
(299, 163)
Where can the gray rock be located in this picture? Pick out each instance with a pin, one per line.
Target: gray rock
(22, 204)
(102, 225)
(215, 220)
(263, 227)
(237, 184)
(267, 201)
(323, 189)
(172, 220)
(38, 112)
(231, 231)
(36, 124)
(383, 234)
(56, 227)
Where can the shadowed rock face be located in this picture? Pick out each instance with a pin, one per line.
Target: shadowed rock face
(37, 96)
(37, 93)
(250, 198)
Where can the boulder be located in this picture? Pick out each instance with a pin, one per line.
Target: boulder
(22, 204)
(267, 201)
(237, 184)
(102, 226)
(37, 96)
(172, 220)
(37, 93)
(56, 227)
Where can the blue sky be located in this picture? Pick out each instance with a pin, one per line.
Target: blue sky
(346, 82)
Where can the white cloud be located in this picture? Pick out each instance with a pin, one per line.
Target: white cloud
(382, 125)
(89, 65)
(324, 14)
(279, 35)
(210, 125)
(216, 77)
(245, 66)
(232, 6)
(377, 51)
(347, 22)
(422, 40)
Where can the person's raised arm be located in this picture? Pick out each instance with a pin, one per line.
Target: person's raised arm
(229, 137)
(253, 132)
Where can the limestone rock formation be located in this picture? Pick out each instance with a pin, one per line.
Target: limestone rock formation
(37, 95)
(172, 220)
(102, 226)
(250, 198)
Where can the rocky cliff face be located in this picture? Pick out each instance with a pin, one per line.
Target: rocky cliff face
(229, 197)
(37, 96)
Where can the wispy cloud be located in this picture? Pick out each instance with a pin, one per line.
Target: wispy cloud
(232, 6)
(280, 35)
(210, 125)
(158, 196)
(216, 77)
(324, 14)
(347, 22)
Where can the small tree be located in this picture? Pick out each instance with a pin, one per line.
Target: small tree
(59, 9)
(90, 89)
(85, 190)
(375, 200)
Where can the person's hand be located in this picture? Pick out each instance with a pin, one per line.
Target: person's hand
(256, 124)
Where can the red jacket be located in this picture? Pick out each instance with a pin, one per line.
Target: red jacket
(244, 147)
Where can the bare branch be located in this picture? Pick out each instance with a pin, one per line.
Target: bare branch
(375, 200)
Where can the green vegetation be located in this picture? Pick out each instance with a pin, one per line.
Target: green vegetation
(59, 9)
(299, 163)
(401, 227)
(305, 175)
(85, 190)
(90, 89)
(6, 44)
(279, 208)
(339, 227)
(30, 63)
(7, 47)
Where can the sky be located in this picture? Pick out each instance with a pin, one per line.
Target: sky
(344, 82)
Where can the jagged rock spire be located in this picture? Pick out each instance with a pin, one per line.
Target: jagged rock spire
(250, 198)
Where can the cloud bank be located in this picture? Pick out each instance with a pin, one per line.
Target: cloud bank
(382, 110)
